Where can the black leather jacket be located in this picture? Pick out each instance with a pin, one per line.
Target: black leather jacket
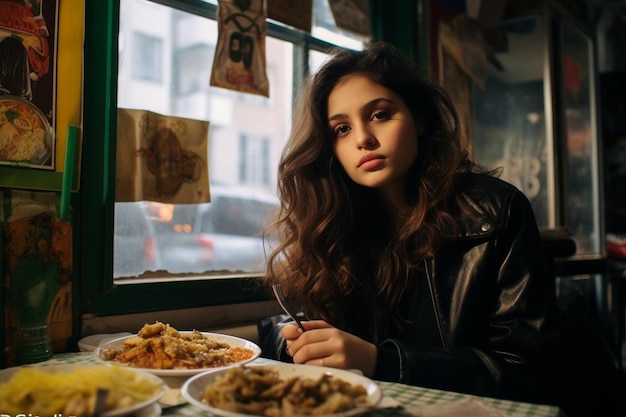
(494, 303)
(494, 306)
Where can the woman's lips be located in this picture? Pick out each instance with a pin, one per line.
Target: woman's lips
(371, 162)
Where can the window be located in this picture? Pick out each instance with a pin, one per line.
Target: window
(246, 135)
(510, 118)
(184, 255)
(580, 130)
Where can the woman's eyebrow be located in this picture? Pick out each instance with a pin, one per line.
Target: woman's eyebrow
(365, 108)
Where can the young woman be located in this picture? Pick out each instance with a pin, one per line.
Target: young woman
(409, 262)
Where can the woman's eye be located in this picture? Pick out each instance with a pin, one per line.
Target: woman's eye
(341, 129)
(380, 115)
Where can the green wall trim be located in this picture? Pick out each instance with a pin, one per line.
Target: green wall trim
(135, 298)
(29, 178)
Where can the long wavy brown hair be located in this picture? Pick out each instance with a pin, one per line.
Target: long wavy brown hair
(339, 253)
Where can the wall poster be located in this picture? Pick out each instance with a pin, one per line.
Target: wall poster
(27, 82)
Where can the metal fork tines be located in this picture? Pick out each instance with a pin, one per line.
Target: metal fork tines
(280, 297)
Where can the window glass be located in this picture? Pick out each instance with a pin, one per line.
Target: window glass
(147, 59)
(316, 59)
(324, 27)
(583, 217)
(510, 126)
(246, 135)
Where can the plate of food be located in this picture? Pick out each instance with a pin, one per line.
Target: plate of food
(163, 350)
(25, 133)
(281, 390)
(72, 390)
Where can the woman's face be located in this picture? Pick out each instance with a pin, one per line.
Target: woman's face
(375, 134)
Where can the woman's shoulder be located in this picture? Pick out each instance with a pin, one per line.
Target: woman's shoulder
(489, 195)
(471, 183)
(488, 204)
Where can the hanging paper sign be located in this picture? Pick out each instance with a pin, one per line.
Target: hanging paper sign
(351, 16)
(239, 62)
(161, 158)
(298, 14)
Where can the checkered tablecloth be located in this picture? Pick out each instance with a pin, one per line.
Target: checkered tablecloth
(408, 396)
(398, 396)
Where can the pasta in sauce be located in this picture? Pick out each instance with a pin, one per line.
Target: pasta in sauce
(160, 346)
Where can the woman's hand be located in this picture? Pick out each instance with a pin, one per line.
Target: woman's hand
(325, 345)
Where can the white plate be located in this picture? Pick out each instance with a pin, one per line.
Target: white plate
(153, 410)
(147, 407)
(194, 387)
(90, 343)
(231, 340)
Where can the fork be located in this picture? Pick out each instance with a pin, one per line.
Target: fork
(101, 401)
(280, 297)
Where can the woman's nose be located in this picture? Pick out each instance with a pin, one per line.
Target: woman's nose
(365, 139)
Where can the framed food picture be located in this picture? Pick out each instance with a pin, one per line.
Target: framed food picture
(27, 79)
(41, 64)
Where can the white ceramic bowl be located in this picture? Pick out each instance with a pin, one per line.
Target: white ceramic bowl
(147, 407)
(192, 390)
(231, 340)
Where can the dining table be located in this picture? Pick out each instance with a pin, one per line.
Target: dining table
(398, 399)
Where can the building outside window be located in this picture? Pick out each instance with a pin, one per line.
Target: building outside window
(254, 169)
(147, 55)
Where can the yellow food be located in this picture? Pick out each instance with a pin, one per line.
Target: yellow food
(160, 346)
(260, 391)
(39, 392)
